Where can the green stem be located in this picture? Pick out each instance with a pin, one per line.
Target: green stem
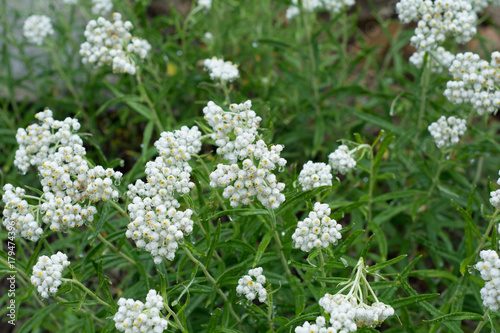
(323, 273)
(435, 180)
(426, 75)
(270, 312)
(88, 291)
(481, 323)
(120, 209)
(212, 280)
(278, 241)
(176, 319)
(371, 187)
(148, 101)
(486, 234)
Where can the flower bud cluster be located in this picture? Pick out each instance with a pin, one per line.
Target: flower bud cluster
(349, 312)
(207, 4)
(447, 132)
(36, 28)
(135, 316)
(333, 6)
(489, 267)
(480, 5)
(218, 69)
(315, 175)
(101, 7)
(235, 134)
(475, 81)
(37, 142)
(318, 230)
(110, 43)
(69, 186)
(341, 160)
(252, 285)
(47, 273)
(437, 20)
(156, 225)
(437, 61)
(17, 210)
(495, 197)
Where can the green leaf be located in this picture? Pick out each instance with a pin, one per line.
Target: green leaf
(297, 320)
(103, 218)
(141, 109)
(214, 320)
(215, 239)
(299, 294)
(301, 197)
(262, 247)
(400, 302)
(37, 319)
(381, 239)
(457, 316)
(349, 240)
(240, 212)
(146, 138)
(382, 265)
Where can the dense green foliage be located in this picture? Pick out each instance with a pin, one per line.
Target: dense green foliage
(317, 81)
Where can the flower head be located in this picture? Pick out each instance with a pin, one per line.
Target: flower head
(447, 132)
(36, 28)
(47, 275)
(252, 285)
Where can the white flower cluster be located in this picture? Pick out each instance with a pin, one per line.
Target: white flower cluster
(218, 69)
(346, 315)
(36, 28)
(37, 142)
(252, 285)
(17, 210)
(69, 185)
(207, 4)
(315, 175)
(235, 133)
(479, 5)
(474, 81)
(47, 273)
(134, 316)
(341, 160)
(437, 61)
(101, 7)
(489, 268)
(157, 226)
(110, 43)
(317, 230)
(447, 132)
(333, 6)
(495, 197)
(437, 20)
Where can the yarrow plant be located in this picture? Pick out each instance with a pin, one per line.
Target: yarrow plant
(437, 61)
(349, 312)
(447, 131)
(437, 20)
(252, 285)
(250, 174)
(36, 28)
(489, 267)
(156, 224)
(341, 160)
(318, 230)
(70, 185)
(136, 316)
(333, 6)
(102, 7)
(47, 273)
(475, 81)
(111, 43)
(315, 175)
(220, 70)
